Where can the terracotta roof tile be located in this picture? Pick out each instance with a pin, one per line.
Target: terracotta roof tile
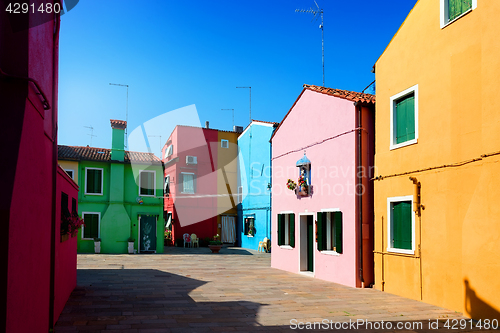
(121, 124)
(346, 94)
(102, 155)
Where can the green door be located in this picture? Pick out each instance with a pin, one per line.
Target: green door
(310, 243)
(147, 233)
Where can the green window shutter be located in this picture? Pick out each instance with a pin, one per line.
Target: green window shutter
(402, 225)
(405, 119)
(457, 8)
(281, 229)
(98, 181)
(337, 225)
(91, 225)
(90, 181)
(321, 230)
(292, 229)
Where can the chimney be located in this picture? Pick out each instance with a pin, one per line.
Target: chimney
(206, 124)
(118, 139)
(238, 129)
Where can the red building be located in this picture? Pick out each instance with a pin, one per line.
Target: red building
(38, 267)
(200, 182)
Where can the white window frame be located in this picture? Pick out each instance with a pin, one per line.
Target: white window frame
(98, 225)
(72, 173)
(154, 183)
(287, 230)
(443, 10)
(165, 183)
(102, 181)
(222, 143)
(169, 151)
(329, 225)
(393, 100)
(182, 182)
(390, 201)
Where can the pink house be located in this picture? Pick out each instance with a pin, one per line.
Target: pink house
(324, 228)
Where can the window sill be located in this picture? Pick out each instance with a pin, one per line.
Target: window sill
(93, 194)
(456, 18)
(390, 249)
(330, 253)
(249, 236)
(403, 144)
(286, 247)
(147, 195)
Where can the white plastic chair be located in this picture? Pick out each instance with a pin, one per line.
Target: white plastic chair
(194, 240)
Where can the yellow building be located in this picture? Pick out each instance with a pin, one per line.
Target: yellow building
(437, 235)
(227, 182)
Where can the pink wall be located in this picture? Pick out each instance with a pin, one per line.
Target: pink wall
(314, 118)
(65, 264)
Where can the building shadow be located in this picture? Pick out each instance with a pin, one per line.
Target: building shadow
(477, 308)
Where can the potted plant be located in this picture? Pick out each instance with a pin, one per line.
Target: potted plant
(291, 185)
(131, 245)
(97, 245)
(168, 238)
(250, 232)
(303, 187)
(215, 244)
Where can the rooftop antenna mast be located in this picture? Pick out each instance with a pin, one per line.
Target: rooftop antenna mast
(91, 133)
(250, 112)
(233, 115)
(316, 14)
(126, 110)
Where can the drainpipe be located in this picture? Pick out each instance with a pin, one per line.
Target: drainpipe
(417, 207)
(360, 198)
(55, 48)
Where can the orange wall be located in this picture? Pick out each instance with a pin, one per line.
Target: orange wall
(227, 161)
(457, 70)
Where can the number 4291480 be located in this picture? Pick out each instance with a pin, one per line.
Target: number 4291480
(455, 324)
(23, 8)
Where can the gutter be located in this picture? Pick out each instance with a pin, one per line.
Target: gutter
(360, 198)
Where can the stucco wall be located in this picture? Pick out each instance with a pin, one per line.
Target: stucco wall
(314, 118)
(457, 70)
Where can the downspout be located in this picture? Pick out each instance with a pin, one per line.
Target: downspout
(360, 198)
(55, 49)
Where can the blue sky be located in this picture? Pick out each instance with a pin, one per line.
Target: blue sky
(176, 54)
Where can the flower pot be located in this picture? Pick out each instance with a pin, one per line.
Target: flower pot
(130, 247)
(97, 247)
(215, 248)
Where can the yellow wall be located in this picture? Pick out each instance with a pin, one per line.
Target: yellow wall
(457, 70)
(70, 165)
(227, 160)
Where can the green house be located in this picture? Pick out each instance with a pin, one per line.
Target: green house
(121, 195)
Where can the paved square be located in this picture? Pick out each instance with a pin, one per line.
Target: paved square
(192, 290)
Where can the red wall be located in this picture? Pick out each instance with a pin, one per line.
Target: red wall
(65, 260)
(28, 175)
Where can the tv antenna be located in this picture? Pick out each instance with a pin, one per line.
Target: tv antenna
(316, 14)
(250, 112)
(91, 133)
(126, 110)
(233, 115)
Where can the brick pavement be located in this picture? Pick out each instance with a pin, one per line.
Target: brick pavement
(192, 290)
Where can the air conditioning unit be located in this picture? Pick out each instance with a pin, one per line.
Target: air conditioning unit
(191, 160)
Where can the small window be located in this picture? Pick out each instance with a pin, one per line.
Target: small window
(249, 226)
(224, 143)
(90, 229)
(93, 181)
(329, 231)
(451, 10)
(188, 183)
(404, 118)
(401, 226)
(70, 173)
(286, 229)
(167, 185)
(169, 151)
(147, 183)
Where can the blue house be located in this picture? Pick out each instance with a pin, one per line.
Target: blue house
(254, 183)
